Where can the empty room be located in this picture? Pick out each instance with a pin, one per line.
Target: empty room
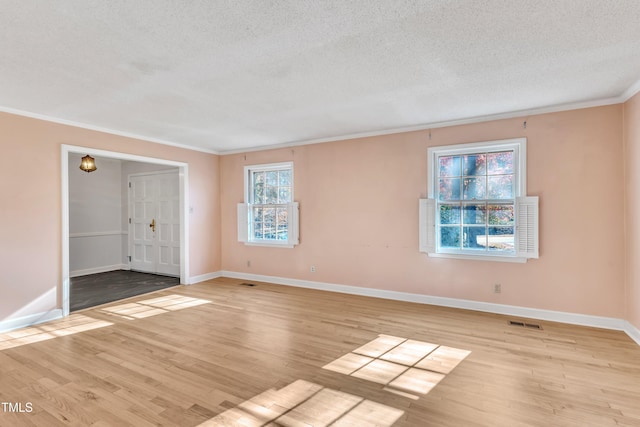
(342, 213)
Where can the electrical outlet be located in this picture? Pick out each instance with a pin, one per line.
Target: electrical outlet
(248, 263)
(497, 288)
(313, 269)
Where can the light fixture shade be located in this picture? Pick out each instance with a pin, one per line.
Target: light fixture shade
(88, 164)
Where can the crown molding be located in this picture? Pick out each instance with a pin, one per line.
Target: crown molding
(625, 96)
(102, 129)
(435, 125)
(629, 93)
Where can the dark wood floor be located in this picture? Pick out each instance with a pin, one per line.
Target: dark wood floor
(95, 289)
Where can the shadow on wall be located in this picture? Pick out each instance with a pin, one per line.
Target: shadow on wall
(44, 303)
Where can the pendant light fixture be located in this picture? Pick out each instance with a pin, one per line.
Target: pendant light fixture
(88, 164)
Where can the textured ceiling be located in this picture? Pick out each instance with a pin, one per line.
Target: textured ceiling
(232, 75)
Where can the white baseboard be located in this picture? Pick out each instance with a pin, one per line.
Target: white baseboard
(532, 313)
(103, 269)
(204, 277)
(510, 310)
(632, 331)
(30, 320)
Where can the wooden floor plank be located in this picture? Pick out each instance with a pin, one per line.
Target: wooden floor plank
(184, 356)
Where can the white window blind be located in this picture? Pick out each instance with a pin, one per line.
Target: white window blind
(293, 212)
(427, 214)
(527, 227)
(243, 222)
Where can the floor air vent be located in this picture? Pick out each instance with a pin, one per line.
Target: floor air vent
(247, 284)
(525, 325)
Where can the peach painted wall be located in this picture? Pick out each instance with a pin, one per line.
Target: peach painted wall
(632, 232)
(30, 214)
(359, 215)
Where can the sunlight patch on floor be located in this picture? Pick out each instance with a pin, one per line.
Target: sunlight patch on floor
(443, 360)
(303, 403)
(153, 307)
(59, 328)
(402, 365)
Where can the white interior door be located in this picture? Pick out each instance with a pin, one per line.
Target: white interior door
(154, 243)
(168, 224)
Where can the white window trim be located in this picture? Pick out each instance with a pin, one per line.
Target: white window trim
(264, 167)
(519, 145)
(293, 225)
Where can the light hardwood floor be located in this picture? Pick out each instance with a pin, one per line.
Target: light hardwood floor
(191, 354)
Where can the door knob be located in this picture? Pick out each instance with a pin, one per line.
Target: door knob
(153, 225)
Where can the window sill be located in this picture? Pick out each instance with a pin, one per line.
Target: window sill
(513, 259)
(270, 244)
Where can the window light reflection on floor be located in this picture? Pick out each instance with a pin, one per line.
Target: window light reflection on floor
(403, 366)
(303, 403)
(79, 322)
(68, 326)
(152, 307)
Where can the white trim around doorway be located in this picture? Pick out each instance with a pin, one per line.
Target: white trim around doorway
(183, 175)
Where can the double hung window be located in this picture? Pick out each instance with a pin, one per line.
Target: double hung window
(269, 216)
(477, 206)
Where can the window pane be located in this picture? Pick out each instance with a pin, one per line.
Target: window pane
(500, 163)
(474, 164)
(474, 237)
(282, 223)
(271, 195)
(284, 195)
(269, 232)
(450, 237)
(257, 230)
(500, 187)
(257, 214)
(449, 189)
(269, 224)
(501, 214)
(269, 215)
(473, 188)
(449, 214)
(272, 178)
(474, 214)
(258, 187)
(282, 215)
(284, 177)
(258, 193)
(258, 178)
(282, 232)
(501, 239)
(257, 223)
(449, 165)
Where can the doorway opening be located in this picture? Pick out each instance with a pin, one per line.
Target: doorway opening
(99, 216)
(101, 288)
